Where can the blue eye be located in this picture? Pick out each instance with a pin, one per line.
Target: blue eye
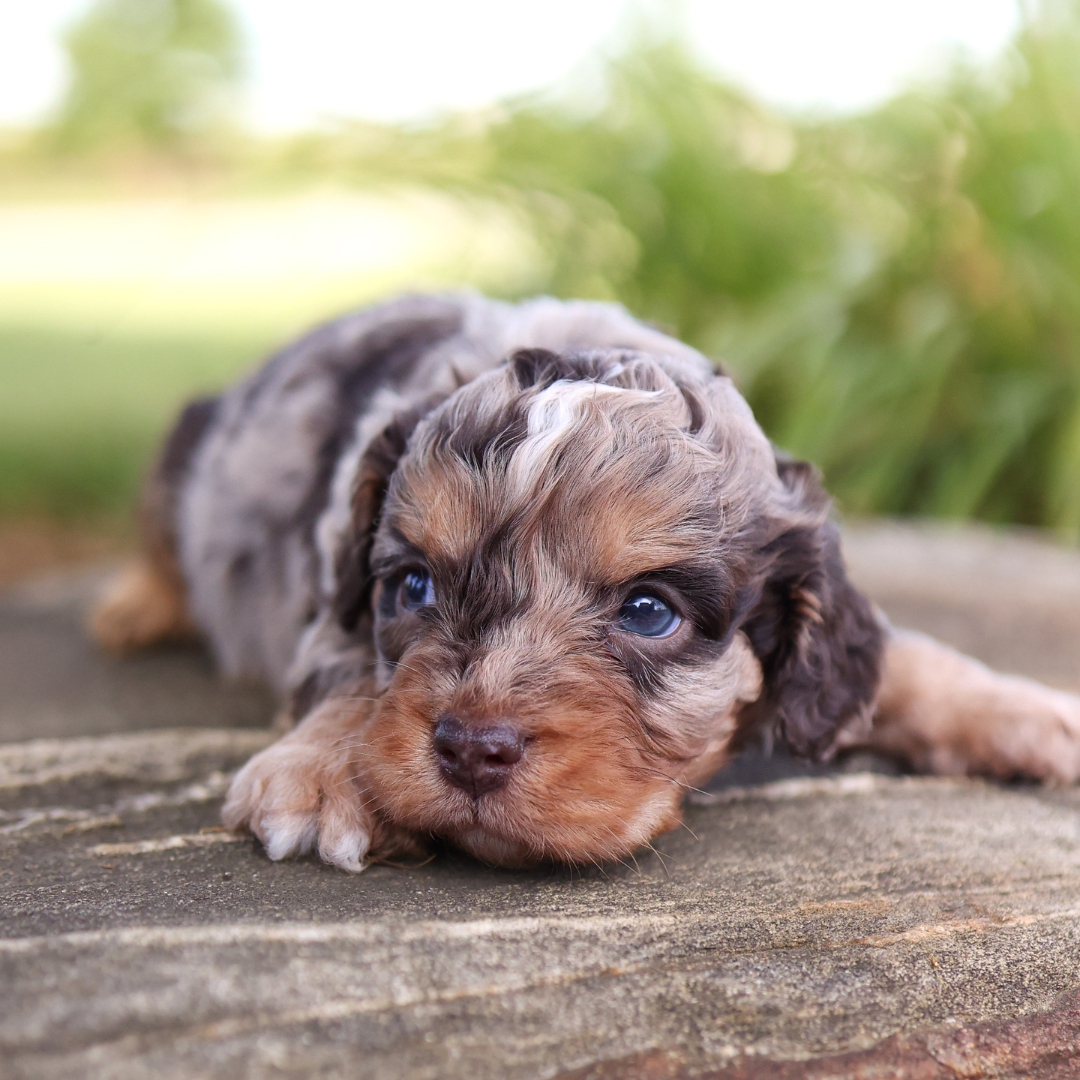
(417, 590)
(647, 616)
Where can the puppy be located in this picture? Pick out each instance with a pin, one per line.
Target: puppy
(523, 574)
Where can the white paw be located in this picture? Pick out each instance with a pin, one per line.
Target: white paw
(298, 795)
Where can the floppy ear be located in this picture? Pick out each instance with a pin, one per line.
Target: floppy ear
(816, 636)
(378, 463)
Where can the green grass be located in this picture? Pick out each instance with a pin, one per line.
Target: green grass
(81, 413)
(114, 312)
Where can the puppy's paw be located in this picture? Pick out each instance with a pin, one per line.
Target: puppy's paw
(1031, 730)
(300, 795)
(141, 606)
(950, 714)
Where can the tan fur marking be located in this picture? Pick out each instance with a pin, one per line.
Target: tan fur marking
(141, 606)
(442, 514)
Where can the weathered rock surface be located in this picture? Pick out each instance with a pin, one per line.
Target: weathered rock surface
(1009, 598)
(847, 925)
(55, 682)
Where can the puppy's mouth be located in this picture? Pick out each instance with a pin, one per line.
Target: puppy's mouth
(478, 759)
(478, 764)
(517, 788)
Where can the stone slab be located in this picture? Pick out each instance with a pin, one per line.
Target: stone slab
(55, 682)
(1009, 597)
(801, 919)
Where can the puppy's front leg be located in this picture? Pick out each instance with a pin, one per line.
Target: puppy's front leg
(305, 790)
(947, 713)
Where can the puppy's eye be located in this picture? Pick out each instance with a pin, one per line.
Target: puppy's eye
(647, 615)
(417, 590)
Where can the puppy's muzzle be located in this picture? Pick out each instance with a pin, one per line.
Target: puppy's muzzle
(477, 760)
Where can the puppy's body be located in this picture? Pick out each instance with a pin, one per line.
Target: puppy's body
(522, 603)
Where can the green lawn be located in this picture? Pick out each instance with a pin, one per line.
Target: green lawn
(114, 312)
(81, 411)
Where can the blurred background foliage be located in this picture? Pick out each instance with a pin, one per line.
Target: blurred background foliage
(897, 293)
(157, 73)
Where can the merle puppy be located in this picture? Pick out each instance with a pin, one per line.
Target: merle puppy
(522, 574)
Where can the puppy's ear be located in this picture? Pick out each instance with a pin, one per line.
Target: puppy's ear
(539, 368)
(816, 636)
(351, 570)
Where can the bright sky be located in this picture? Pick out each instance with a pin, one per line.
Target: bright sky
(315, 59)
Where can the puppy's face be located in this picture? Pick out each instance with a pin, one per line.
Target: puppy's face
(564, 559)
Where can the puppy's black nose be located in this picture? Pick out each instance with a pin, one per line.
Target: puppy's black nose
(477, 760)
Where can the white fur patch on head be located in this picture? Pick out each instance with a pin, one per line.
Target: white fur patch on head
(556, 407)
(554, 413)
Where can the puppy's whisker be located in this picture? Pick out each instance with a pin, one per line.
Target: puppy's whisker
(659, 774)
(682, 824)
(622, 860)
(400, 665)
(690, 789)
(663, 861)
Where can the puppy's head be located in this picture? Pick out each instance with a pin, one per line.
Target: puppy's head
(588, 575)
